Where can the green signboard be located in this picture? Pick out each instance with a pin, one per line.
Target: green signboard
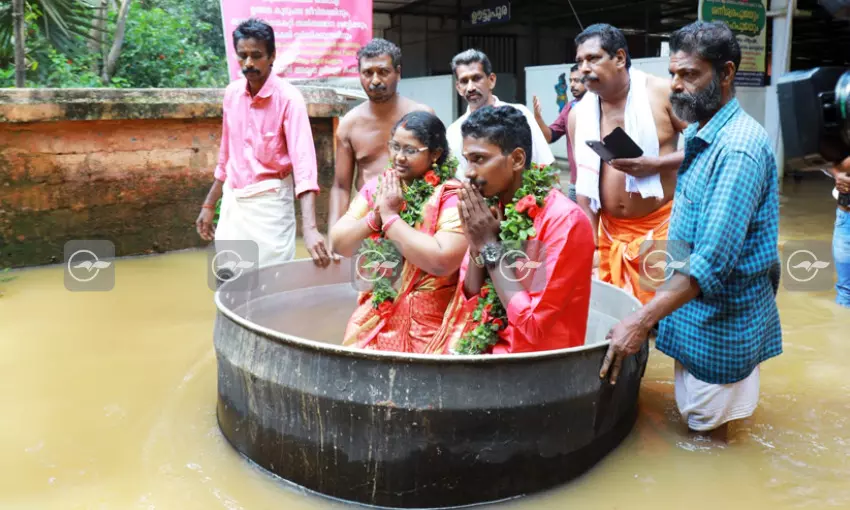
(748, 19)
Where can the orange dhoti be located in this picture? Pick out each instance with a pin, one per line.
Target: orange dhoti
(620, 242)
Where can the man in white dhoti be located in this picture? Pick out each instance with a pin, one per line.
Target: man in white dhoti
(717, 312)
(267, 158)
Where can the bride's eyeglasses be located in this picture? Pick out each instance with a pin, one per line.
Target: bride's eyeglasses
(407, 150)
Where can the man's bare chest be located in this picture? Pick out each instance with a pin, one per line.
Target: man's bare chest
(369, 141)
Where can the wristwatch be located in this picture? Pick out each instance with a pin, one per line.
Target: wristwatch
(492, 254)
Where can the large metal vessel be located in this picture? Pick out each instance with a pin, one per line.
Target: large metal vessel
(405, 430)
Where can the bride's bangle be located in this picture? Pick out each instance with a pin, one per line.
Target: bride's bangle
(390, 221)
(372, 221)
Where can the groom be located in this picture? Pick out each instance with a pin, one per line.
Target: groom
(622, 220)
(542, 315)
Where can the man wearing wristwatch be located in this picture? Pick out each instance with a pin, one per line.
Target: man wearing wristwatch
(548, 309)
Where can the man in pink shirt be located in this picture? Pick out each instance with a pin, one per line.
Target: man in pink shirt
(549, 310)
(267, 158)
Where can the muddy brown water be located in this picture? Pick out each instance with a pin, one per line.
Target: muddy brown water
(109, 402)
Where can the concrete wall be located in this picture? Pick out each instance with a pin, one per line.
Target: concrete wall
(130, 166)
(438, 92)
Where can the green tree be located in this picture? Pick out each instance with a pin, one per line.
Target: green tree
(61, 21)
(165, 48)
(168, 46)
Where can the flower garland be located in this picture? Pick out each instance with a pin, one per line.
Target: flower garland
(376, 250)
(489, 314)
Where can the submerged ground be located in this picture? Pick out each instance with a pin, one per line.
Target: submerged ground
(109, 402)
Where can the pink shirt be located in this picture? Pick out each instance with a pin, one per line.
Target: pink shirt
(267, 136)
(551, 315)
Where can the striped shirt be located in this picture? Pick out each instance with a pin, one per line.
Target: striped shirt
(726, 211)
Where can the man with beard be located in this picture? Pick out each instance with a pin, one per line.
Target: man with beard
(718, 313)
(627, 200)
(557, 129)
(267, 155)
(475, 83)
(364, 132)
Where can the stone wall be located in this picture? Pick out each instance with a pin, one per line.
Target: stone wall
(130, 166)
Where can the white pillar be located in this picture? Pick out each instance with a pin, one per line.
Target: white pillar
(780, 64)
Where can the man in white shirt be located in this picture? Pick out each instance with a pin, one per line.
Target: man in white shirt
(475, 83)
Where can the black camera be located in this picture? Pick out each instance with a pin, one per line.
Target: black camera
(814, 110)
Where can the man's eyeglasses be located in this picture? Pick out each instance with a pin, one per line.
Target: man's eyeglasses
(406, 150)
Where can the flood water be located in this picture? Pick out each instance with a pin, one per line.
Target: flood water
(109, 402)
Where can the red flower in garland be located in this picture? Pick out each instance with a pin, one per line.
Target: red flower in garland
(533, 211)
(385, 308)
(499, 323)
(525, 203)
(431, 178)
(485, 314)
(404, 206)
(374, 236)
(485, 291)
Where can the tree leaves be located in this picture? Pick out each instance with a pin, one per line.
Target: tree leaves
(62, 22)
(167, 44)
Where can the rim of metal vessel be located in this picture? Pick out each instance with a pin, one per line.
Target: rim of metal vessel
(395, 356)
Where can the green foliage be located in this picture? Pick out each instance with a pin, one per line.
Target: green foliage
(375, 256)
(63, 23)
(167, 44)
(50, 68)
(490, 317)
(162, 49)
(206, 12)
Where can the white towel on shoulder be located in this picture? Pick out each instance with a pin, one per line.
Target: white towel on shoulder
(640, 126)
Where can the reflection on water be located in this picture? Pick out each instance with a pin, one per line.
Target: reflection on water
(109, 402)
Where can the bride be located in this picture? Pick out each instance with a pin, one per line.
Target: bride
(405, 225)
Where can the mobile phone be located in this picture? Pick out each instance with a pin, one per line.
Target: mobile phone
(603, 151)
(617, 145)
(621, 145)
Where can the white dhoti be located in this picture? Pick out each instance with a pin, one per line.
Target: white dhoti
(707, 406)
(263, 212)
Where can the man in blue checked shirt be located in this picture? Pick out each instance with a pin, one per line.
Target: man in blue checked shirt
(718, 316)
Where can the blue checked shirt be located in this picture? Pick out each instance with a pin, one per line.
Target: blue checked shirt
(726, 210)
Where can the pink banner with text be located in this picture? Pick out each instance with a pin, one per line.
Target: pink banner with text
(313, 38)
